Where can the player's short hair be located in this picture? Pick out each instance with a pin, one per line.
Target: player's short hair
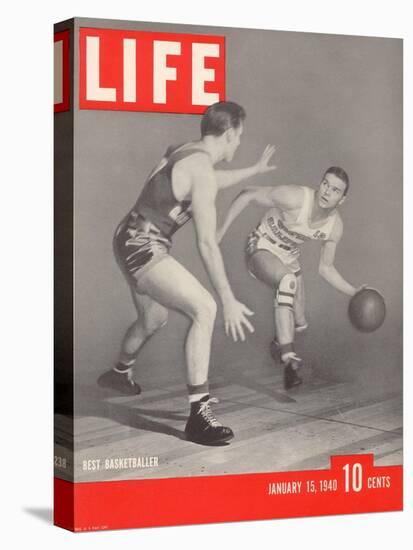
(221, 116)
(341, 174)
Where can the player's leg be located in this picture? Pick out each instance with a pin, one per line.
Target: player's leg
(171, 285)
(151, 316)
(269, 269)
(299, 304)
(136, 252)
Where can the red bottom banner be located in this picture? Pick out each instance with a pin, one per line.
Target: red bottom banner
(352, 485)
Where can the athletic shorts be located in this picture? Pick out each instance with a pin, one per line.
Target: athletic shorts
(256, 241)
(138, 248)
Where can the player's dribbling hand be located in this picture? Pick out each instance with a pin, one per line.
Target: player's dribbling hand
(262, 165)
(360, 288)
(235, 317)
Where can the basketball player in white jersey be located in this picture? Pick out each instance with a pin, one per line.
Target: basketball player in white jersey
(296, 214)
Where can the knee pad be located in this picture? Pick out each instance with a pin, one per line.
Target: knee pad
(286, 291)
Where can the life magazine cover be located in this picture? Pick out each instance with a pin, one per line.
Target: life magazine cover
(228, 274)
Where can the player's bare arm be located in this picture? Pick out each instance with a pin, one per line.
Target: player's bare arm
(203, 190)
(286, 197)
(227, 178)
(326, 267)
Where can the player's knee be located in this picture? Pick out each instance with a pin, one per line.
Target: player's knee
(155, 321)
(286, 291)
(205, 310)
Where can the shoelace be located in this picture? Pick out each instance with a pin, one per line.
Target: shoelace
(205, 411)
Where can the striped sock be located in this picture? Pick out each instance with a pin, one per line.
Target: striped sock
(126, 363)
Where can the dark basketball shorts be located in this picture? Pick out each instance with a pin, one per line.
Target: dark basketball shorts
(138, 250)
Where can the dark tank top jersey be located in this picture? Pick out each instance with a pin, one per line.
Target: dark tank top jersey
(157, 203)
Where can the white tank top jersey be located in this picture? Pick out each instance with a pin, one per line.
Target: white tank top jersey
(286, 236)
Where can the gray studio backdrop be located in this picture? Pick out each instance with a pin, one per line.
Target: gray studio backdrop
(322, 100)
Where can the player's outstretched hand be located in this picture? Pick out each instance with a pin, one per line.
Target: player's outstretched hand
(263, 162)
(235, 317)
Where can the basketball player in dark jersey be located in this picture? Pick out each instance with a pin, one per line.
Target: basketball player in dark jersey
(295, 214)
(183, 185)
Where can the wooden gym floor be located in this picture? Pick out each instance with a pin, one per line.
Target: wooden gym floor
(274, 430)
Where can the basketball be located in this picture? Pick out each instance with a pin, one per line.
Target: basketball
(367, 310)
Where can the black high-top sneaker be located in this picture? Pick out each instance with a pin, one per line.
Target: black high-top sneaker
(121, 382)
(292, 364)
(203, 427)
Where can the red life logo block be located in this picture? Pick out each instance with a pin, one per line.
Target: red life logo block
(61, 72)
(125, 70)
